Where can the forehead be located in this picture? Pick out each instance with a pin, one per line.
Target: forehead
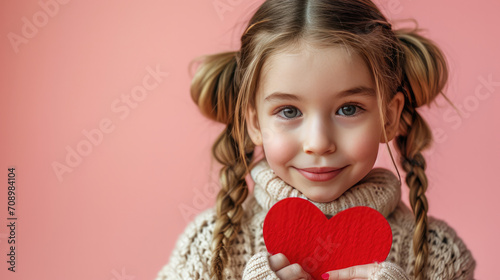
(308, 69)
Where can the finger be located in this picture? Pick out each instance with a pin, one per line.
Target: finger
(293, 272)
(278, 261)
(353, 272)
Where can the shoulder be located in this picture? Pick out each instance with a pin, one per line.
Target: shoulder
(446, 247)
(191, 254)
(203, 221)
(198, 233)
(448, 256)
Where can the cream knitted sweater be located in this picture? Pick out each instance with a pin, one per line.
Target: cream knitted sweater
(380, 189)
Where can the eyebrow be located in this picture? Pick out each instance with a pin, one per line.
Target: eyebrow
(359, 90)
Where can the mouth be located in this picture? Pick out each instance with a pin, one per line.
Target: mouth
(320, 174)
(320, 169)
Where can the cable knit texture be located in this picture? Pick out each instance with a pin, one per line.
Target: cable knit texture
(380, 189)
(389, 271)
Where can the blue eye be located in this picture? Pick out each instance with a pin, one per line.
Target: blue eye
(349, 110)
(289, 112)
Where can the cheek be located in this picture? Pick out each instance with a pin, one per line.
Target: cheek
(278, 147)
(362, 144)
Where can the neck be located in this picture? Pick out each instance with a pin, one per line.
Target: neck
(379, 189)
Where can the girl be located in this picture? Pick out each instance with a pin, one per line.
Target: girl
(318, 84)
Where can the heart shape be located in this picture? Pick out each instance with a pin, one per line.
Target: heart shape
(299, 230)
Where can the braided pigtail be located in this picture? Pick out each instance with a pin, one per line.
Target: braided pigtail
(425, 74)
(233, 193)
(214, 89)
(416, 139)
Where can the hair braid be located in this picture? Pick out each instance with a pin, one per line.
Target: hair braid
(416, 136)
(234, 191)
(214, 89)
(425, 74)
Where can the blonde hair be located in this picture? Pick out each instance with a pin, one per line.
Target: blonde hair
(225, 84)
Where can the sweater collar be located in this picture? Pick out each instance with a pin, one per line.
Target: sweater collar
(380, 189)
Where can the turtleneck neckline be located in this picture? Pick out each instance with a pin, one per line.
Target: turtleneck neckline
(380, 189)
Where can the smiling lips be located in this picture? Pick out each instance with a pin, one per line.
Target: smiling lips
(320, 174)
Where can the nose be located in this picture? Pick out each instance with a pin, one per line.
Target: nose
(319, 138)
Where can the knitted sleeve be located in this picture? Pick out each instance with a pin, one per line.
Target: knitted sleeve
(388, 271)
(190, 258)
(448, 257)
(258, 268)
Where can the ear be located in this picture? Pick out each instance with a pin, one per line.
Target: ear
(253, 126)
(394, 110)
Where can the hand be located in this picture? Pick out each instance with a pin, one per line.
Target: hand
(286, 271)
(353, 272)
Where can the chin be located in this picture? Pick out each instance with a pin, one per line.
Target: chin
(322, 198)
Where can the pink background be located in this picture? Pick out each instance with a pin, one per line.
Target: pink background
(118, 213)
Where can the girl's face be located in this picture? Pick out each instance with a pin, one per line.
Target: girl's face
(318, 108)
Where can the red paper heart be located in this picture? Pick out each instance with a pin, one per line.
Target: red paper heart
(299, 230)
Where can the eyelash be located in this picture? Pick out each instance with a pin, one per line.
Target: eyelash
(358, 112)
